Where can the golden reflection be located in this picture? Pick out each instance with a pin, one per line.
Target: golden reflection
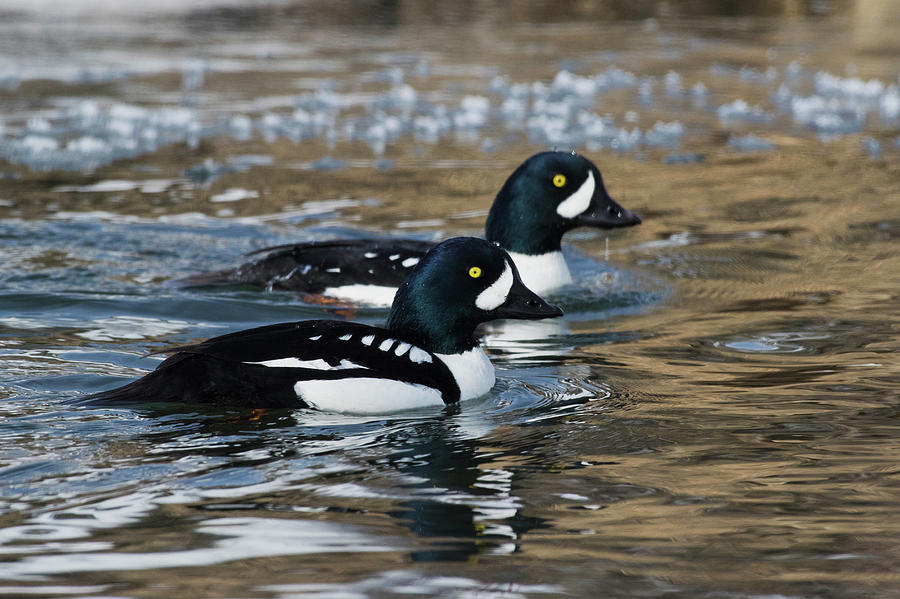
(876, 26)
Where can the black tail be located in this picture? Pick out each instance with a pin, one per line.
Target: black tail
(199, 379)
(130, 394)
(151, 388)
(216, 278)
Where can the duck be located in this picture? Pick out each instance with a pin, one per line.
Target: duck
(549, 194)
(426, 355)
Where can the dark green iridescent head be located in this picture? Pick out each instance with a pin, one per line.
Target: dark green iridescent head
(549, 194)
(459, 284)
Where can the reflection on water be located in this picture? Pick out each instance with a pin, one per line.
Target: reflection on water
(242, 538)
(715, 416)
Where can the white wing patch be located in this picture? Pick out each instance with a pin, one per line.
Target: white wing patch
(386, 344)
(419, 355)
(496, 294)
(579, 201)
(366, 395)
(317, 364)
(410, 262)
(346, 337)
(369, 295)
(368, 339)
(401, 348)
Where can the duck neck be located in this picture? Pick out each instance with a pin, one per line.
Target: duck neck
(432, 327)
(522, 235)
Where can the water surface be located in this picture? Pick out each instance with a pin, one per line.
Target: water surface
(716, 415)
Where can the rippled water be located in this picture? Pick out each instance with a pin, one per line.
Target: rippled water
(716, 415)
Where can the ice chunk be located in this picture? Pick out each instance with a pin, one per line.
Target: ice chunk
(328, 163)
(499, 85)
(10, 77)
(873, 147)
(243, 162)
(206, 171)
(240, 127)
(105, 186)
(234, 194)
(405, 96)
(783, 97)
(488, 145)
(38, 144)
(645, 91)
(472, 114)
(890, 104)
(614, 77)
(88, 145)
(38, 125)
(422, 68)
(573, 84)
(827, 116)
(391, 75)
(514, 109)
(86, 114)
(750, 143)
(721, 70)
(699, 95)
(672, 83)
(664, 134)
(193, 73)
(756, 76)
(794, 70)
(602, 133)
(827, 84)
(740, 110)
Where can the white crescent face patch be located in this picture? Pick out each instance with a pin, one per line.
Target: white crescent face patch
(495, 295)
(579, 201)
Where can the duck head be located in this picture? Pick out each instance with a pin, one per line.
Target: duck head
(549, 194)
(458, 285)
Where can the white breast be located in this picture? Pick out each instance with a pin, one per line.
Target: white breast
(472, 370)
(544, 272)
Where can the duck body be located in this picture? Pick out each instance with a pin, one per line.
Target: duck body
(308, 364)
(357, 270)
(427, 354)
(546, 196)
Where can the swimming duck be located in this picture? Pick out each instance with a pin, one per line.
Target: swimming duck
(547, 195)
(426, 355)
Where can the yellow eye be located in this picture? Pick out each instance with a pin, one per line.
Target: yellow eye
(475, 272)
(559, 180)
